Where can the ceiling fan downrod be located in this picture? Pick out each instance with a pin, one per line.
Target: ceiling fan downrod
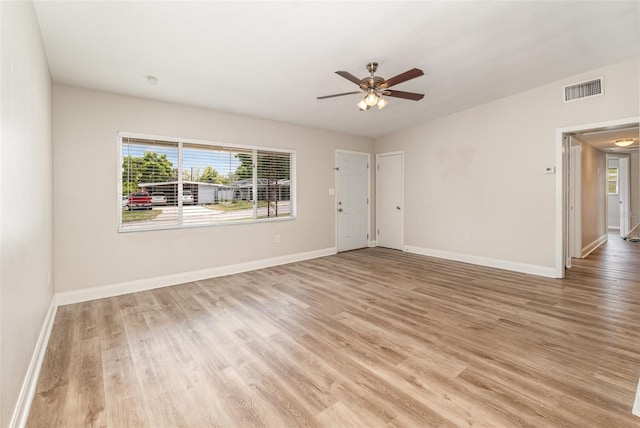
(372, 67)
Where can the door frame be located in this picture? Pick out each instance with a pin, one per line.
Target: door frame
(624, 193)
(575, 200)
(378, 155)
(337, 192)
(562, 186)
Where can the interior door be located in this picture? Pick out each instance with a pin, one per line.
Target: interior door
(352, 200)
(389, 200)
(624, 194)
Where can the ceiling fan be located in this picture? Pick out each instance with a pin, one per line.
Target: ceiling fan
(375, 87)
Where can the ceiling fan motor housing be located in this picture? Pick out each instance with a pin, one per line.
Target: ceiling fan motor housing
(373, 82)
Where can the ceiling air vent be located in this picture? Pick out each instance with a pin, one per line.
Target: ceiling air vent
(581, 90)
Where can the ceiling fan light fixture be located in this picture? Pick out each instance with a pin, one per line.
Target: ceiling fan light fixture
(623, 143)
(374, 87)
(371, 98)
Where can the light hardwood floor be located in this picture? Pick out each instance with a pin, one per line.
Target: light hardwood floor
(366, 338)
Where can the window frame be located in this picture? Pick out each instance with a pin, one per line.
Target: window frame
(617, 180)
(205, 143)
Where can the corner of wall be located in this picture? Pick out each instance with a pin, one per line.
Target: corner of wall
(30, 383)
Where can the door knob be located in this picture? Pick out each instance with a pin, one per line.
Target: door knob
(339, 210)
(398, 207)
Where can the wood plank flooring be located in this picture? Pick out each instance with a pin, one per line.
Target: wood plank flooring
(369, 338)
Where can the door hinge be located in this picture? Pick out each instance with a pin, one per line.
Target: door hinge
(378, 167)
(378, 231)
(367, 201)
(367, 236)
(367, 165)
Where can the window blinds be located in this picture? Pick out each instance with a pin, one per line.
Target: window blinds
(198, 184)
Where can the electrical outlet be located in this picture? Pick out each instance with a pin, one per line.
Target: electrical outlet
(277, 238)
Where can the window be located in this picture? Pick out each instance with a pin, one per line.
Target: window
(176, 183)
(612, 181)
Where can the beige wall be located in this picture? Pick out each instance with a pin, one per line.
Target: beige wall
(480, 171)
(25, 197)
(88, 250)
(594, 191)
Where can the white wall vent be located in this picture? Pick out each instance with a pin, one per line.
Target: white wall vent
(577, 91)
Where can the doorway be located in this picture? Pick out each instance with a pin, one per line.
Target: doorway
(619, 193)
(390, 200)
(600, 137)
(352, 200)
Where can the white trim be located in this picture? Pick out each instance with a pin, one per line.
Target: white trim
(614, 227)
(636, 403)
(591, 247)
(373, 244)
(126, 134)
(546, 271)
(70, 297)
(30, 383)
(119, 169)
(560, 188)
(575, 197)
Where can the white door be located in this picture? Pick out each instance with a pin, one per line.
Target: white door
(352, 200)
(624, 195)
(389, 200)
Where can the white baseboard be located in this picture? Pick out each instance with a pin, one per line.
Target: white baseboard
(549, 272)
(636, 403)
(69, 297)
(589, 248)
(30, 383)
(614, 227)
(373, 244)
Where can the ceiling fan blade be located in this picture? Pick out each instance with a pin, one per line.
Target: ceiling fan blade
(338, 95)
(401, 94)
(403, 77)
(349, 76)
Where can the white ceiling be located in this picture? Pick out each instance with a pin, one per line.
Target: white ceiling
(272, 59)
(604, 138)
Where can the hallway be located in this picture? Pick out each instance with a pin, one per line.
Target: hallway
(616, 262)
